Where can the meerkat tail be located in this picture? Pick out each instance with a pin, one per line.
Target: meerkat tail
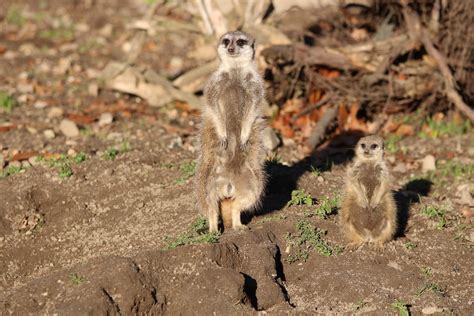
(226, 212)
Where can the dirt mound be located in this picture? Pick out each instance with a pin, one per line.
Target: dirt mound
(241, 274)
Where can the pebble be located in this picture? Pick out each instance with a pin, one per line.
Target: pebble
(69, 128)
(63, 66)
(32, 130)
(25, 164)
(33, 160)
(71, 152)
(93, 89)
(55, 112)
(400, 168)
(320, 179)
(25, 88)
(431, 310)
(428, 163)
(466, 198)
(40, 104)
(49, 134)
(106, 119)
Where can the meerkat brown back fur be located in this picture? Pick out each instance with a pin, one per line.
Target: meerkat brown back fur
(368, 212)
(230, 177)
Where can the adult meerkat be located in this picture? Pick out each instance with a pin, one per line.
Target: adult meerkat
(230, 176)
(369, 213)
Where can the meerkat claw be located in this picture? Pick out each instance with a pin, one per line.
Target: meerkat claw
(223, 143)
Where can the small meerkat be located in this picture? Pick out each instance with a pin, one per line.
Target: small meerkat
(230, 176)
(368, 212)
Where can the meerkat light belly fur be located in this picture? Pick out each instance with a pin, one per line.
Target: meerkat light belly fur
(230, 178)
(368, 212)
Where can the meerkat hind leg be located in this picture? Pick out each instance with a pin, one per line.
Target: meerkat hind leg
(213, 217)
(244, 200)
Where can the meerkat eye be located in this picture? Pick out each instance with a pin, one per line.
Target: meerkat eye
(241, 42)
(225, 41)
(374, 146)
(362, 145)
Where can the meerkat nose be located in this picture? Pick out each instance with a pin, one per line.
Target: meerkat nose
(231, 50)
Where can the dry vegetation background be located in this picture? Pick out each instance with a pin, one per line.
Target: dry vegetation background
(99, 109)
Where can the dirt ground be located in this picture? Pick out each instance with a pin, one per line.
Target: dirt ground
(94, 235)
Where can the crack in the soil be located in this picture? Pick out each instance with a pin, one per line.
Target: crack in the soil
(280, 278)
(111, 301)
(250, 289)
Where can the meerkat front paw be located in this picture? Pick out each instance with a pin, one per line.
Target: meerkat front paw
(223, 143)
(378, 246)
(244, 145)
(239, 227)
(353, 246)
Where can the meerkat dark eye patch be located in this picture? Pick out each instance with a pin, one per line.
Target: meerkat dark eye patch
(241, 42)
(374, 146)
(225, 41)
(362, 145)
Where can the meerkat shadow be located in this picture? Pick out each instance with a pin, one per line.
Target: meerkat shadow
(283, 179)
(408, 195)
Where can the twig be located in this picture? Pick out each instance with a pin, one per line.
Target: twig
(325, 99)
(195, 74)
(140, 36)
(205, 17)
(419, 33)
(320, 129)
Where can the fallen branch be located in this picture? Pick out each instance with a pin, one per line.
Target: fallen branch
(419, 33)
(320, 129)
(194, 79)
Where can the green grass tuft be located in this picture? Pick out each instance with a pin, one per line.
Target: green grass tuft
(327, 206)
(76, 278)
(197, 234)
(300, 197)
(7, 102)
(435, 213)
(10, 170)
(401, 307)
(188, 169)
(306, 239)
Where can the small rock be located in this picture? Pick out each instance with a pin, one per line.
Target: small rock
(396, 266)
(23, 98)
(93, 89)
(466, 198)
(471, 236)
(27, 49)
(71, 152)
(69, 128)
(55, 112)
(400, 168)
(49, 134)
(63, 66)
(270, 139)
(24, 88)
(25, 164)
(33, 160)
(428, 163)
(106, 119)
(32, 130)
(106, 30)
(40, 104)
(320, 179)
(431, 310)
(390, 159)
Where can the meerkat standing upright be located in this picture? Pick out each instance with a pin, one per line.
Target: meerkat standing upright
(230, 178)
(369, 213)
